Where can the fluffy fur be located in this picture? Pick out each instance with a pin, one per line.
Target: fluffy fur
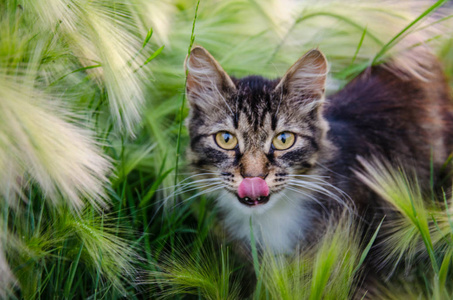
(406, 120)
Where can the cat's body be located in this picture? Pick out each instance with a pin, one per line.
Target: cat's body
(291, 191)
(404, 120)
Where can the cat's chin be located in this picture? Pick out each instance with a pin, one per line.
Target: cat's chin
(230, 202)
(254, 201)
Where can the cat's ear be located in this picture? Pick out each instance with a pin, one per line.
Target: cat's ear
(207, 82)
(306, 79)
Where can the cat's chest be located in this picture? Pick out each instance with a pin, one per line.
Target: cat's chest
(279, 228)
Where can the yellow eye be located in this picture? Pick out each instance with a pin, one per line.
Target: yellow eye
(226, 140)
(284, 140)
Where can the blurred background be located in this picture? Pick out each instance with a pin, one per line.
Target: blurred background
(95, 194)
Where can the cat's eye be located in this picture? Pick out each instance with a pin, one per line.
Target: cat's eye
(226, 140)
(284, 140)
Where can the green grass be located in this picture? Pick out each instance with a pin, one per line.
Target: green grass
(92, 150)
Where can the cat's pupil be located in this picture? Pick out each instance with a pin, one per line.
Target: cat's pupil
(283, 138)
(226, 137)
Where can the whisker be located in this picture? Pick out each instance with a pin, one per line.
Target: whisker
(309, 196)
(330, 170)
(203, 169)
(201, 180)
(317, 179)
(325, 183)
(212, 189)
(192, 173)
(165, 200)
(198, 185)
(189, 189)
(197, 174)
(332, 196)
(321, 187)
(313, 187)
(306, 176)
(183, 182)
(291, 200)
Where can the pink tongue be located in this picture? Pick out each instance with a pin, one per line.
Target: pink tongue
(253, 188)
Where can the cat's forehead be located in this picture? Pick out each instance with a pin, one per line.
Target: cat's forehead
(254, 101)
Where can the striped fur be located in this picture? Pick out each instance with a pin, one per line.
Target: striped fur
(403, 119)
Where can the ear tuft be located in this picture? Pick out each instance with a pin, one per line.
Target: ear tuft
(206, 80)
(199, 58)
(306, 78)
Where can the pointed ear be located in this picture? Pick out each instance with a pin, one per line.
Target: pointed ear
(207, 82)
(306, 79)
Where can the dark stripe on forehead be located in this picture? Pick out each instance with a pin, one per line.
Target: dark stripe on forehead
(255, 107)
(254, 99)
(236, 111)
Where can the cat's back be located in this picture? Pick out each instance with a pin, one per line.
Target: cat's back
(406, 119)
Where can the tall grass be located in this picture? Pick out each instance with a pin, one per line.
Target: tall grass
(329, 270)
(207, 273)
(420, 237)
(91, 112)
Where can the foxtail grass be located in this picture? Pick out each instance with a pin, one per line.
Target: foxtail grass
(419, 237)
(207, 273)
(54, 246)
(42, 140)
(7, 280)
(331, 269)
(90, 104)
(106, 39)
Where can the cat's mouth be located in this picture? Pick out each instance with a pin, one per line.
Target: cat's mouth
(253, 191)
(254, 201)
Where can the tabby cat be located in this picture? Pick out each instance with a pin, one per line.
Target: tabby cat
(280, 151)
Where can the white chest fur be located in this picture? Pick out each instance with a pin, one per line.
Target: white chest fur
(279, 225)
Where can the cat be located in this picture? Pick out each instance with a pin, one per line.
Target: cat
(282, 152)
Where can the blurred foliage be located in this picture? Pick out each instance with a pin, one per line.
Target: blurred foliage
(90, 99)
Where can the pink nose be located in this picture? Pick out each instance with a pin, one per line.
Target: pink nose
(253, 188)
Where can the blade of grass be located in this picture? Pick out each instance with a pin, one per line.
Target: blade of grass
(368, 247)
(68, 286)
(325, 14)
(160, 178)
(450, 221)
(400, 35)
(256, 263)
(443, 272)
(431, 176)
(153, 56)
(422, 226)
(75, 71)
(359, 46)
(183, 98)
(148, 37)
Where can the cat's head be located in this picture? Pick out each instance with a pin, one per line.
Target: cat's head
(253, 137)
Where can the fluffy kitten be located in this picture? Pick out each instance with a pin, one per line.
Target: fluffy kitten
(278, 151)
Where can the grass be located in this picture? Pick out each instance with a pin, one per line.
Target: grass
(421, 232)
(92, 140)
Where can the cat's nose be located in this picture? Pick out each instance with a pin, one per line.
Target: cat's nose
(252, 175)
(254, 165)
